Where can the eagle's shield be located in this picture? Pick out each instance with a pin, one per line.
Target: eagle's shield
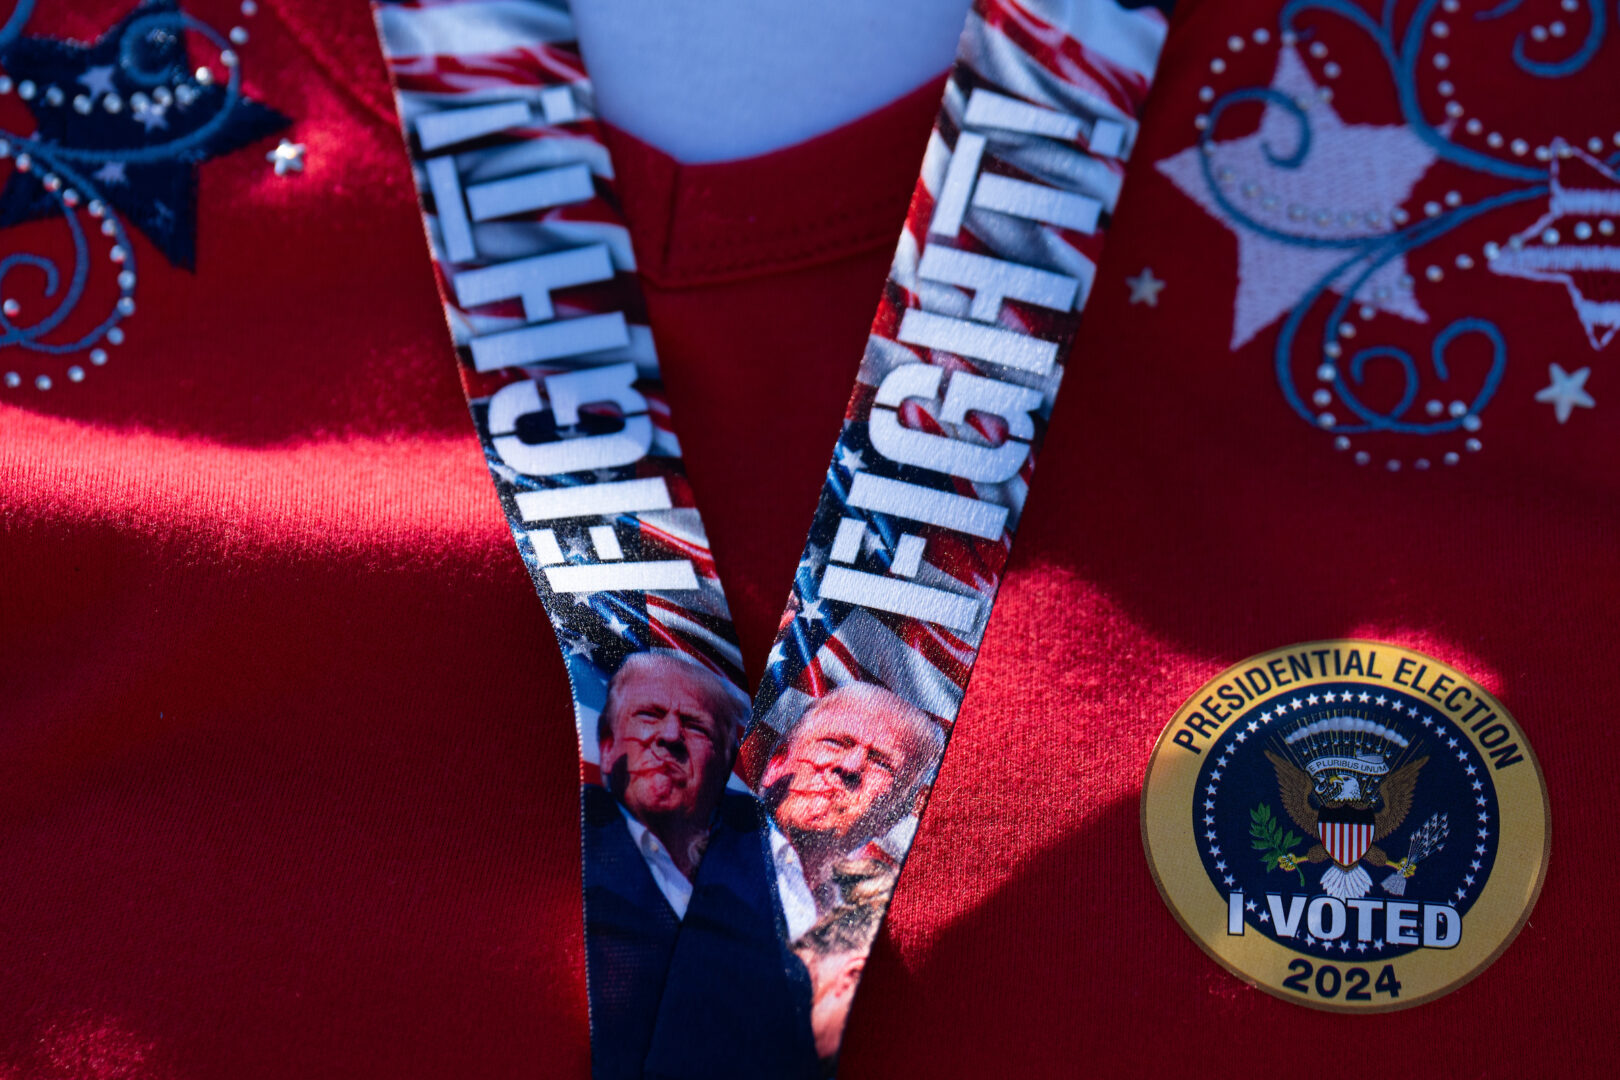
(1346, 834)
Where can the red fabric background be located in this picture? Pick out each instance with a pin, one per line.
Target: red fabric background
(287, 767)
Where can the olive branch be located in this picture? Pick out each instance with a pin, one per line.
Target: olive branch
(1271, 839)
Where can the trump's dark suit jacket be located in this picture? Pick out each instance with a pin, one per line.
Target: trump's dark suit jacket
(713, 997)
(737, 1003)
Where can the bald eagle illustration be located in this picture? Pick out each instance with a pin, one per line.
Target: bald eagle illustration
(1346, 798)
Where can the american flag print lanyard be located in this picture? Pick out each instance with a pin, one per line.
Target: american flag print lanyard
(738, 860)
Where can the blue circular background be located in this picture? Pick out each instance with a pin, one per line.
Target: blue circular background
(1243, 778)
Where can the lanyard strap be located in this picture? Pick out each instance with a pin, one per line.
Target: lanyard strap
(726, 923)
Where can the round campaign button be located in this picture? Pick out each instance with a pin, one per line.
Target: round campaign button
(1348, 825)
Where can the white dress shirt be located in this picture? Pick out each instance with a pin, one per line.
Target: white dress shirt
(798, 902)
(669, 879)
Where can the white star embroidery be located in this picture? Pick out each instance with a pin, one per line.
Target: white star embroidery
(776, 656)
(617, 625)
(580, 647)
(1566, 391)
(850, 460)
(811, 611)
(1343, 189)
(1145, 288)
(1550, 250)
(287, 157)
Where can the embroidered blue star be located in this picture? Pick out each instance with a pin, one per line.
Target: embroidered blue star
(129, 115)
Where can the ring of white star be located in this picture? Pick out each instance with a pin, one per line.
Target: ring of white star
(1364, 697)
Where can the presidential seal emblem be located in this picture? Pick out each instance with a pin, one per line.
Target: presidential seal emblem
(1348, 825)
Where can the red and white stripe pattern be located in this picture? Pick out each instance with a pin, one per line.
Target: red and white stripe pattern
(997, 256)
(1346, 841)
(968, 347)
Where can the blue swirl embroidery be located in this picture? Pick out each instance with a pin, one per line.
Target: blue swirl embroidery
(70, 178)
(1366, 255)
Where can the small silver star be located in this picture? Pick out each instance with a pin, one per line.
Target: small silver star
(287, 157)
(1145, 287)
(1566, 391)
